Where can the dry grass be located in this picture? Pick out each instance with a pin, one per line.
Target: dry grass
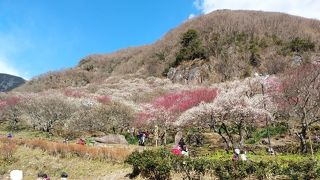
(33, 161)
(7, 149)
(115, 154)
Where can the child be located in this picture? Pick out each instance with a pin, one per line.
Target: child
(235, 156)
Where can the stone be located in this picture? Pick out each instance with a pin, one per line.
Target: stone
(112, 139)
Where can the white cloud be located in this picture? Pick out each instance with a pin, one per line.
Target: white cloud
(6, 68)
(191, 16)
(305, 8)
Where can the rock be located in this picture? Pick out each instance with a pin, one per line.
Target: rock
(189, 73)
(296, 60)
(112, 139)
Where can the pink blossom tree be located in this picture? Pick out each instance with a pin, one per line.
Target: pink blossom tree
(9, 110)
(301, 99)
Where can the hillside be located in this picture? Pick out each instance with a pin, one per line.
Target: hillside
(232, 45)
(9, 82)
(222, 81)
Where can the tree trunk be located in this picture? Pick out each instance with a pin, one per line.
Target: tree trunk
(241, 135)
(224, 139)
(303, 141)
(165, 137)
(224, 127)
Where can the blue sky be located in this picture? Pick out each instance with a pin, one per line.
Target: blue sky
(37, 36)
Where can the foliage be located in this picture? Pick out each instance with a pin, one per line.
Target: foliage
(152, 164)
(263, 133)
(191, 47)
(159, 163)
(131, 139)
(299, 45)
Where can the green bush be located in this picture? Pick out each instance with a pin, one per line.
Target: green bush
(130, 139)
(191, 48)
(263, 133)
(298, 45)
(152, 164)
(159, 164)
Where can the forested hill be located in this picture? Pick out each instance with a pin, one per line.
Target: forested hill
(9, 82)
(221, 46)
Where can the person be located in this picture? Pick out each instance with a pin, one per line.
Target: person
(181, 143)
(235, 156)
(16, 175)
(45, 177)
(10, 136)
(81, 141)
(40, 176)
(270, 151)
(64, 176)
(243, 156)
(141, 138)
(185, 151)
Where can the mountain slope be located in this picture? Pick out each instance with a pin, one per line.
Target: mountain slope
(9, 82)
(236, 44)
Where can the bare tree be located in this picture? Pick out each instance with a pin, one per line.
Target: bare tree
(301, 94)
(44, 113)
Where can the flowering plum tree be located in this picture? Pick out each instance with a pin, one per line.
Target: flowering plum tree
(9, 110)
(44, 113)
(184, 100)
(104, 99)
(236, 108)
(301, 99)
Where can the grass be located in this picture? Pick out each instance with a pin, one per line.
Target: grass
(33, 161)
(263, 156)
(263, 133)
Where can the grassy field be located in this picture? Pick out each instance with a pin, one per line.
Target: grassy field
(37, 152)
(33, 161)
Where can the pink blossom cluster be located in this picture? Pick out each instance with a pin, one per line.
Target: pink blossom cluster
(10, 101)
(104, 99)
(184, 100)
(73, 93)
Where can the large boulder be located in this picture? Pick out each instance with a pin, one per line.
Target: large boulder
(112, 139)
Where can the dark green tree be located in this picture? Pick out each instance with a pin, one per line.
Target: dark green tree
(191, 47)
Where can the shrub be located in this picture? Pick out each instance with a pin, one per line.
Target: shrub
(7, 150)
(73, 93)
(158, 164)
(191, 47)
(152, 164)
(298, 45)
(104, 99)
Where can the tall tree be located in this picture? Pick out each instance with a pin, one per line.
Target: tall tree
(301, 94)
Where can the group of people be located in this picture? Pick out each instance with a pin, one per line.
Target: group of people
(142, 137)
(239, 155)
(18, 175)
(180, 148)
